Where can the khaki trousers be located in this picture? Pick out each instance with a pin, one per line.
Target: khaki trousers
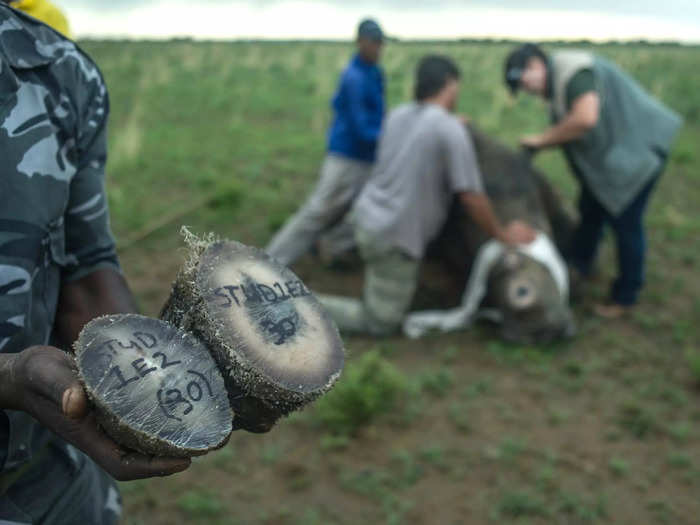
(390, 282)
(340, 183)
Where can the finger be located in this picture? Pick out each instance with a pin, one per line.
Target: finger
(48, 373)
(138, 464)
(126, 465)
(55, 397)
(64, 389)
(122, 464)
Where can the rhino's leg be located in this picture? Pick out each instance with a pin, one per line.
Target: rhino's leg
(447, 263)
(449, 246)
(562, 222)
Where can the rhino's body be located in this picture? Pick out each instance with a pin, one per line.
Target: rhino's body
(521, 289)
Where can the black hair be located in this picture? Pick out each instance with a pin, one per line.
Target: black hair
(432, 75)
(517, 62)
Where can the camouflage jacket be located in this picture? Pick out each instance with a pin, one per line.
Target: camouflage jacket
(54, 222)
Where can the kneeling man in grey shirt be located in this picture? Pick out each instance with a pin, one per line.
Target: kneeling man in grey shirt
(425, 158)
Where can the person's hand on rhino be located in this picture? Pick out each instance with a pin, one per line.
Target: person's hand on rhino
(518, 232)
(478, 206)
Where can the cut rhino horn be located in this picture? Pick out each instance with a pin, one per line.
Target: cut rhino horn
(275, 345)
(156, 388)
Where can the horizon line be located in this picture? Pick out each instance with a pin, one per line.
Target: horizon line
(390, 39)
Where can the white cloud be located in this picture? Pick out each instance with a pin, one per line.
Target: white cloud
(316, 19)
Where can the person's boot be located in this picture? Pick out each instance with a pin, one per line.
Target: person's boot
(612, 310)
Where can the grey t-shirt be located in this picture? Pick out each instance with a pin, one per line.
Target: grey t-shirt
(425, 156)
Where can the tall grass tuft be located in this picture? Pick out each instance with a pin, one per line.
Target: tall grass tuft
(370, 386)
(693, 357)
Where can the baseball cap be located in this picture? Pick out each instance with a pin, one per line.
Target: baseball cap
(368, 28)
(517, 62)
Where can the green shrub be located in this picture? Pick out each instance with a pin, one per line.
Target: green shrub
(438, 382)
(636, 420)
(369, 387)
(693, 357)
(228, 196)
(517, 504)
(679, 460)
(618, 466)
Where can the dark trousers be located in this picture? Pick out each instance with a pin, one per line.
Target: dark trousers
(629, 235)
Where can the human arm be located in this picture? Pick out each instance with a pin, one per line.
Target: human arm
(101, 292)
(42, 380)
(465, 180)
(91, 281)
(583, 111)
(478, 207)
(582, 117)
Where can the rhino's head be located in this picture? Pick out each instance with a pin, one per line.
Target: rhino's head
(526, 294)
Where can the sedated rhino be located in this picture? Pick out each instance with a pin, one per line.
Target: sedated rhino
(527, 296)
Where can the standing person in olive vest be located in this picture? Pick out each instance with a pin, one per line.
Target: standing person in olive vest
(616, 138)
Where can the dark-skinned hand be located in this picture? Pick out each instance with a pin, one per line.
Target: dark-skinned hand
(42, 381)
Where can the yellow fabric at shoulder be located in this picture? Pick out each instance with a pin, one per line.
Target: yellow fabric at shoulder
(46, 12)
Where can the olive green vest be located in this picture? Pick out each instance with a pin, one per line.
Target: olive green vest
(623, 152)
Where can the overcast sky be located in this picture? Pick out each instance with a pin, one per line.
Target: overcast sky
(336, 19)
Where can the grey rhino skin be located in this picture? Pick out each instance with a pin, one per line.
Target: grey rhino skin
(519, 287)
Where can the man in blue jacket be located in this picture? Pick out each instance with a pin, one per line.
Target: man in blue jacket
(352, 139)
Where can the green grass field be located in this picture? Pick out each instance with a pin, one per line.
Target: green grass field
(228, 137)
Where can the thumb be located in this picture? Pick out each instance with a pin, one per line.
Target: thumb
(50, 373)
(74, 402)
(66, 390)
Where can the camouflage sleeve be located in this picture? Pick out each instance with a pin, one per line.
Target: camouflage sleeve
(89, 241)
